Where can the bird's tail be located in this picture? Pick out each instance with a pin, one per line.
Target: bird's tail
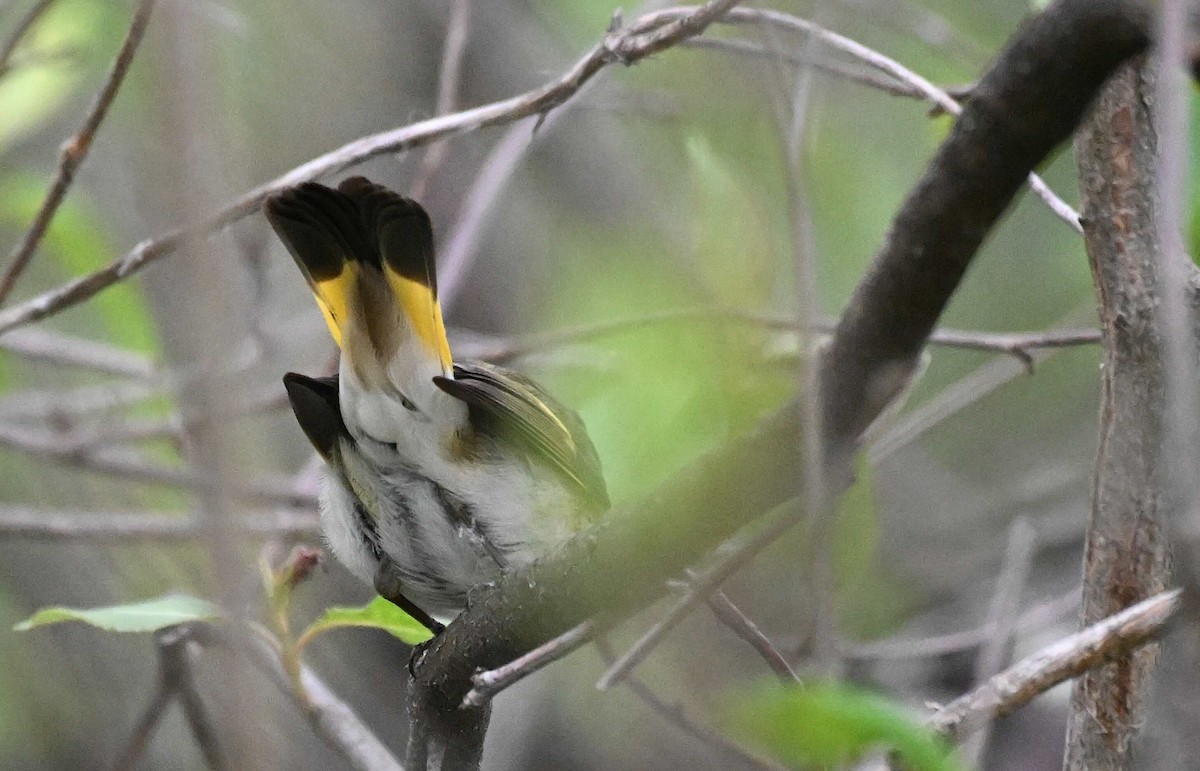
(367, 254)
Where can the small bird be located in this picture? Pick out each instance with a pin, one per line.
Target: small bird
(441, 475)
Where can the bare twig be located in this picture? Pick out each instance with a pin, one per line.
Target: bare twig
(135, 467)
(675, 715)
(334, 722)
(1002, 619)
(731, 557)
(26, 22)
(1071, 656)
(62, 410)
(100, 526)
(493, 681)
(863, 77)
(970, 389)
(891, 649)
(1020, 345)
(74, 150)
(449, 81)
(737, 621)
(889, 67)
(147, 724)
(632, 44)
(56, 348)
(175, 679)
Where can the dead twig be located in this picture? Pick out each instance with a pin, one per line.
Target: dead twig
(740, 624)
(449, 81)
(493, 681)
(75, 150)
(628, 45)
(111, 526)
(731, 557)
(1070, 657)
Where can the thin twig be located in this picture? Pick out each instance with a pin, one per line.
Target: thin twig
(147, 724)
(674, 714)
(1071, 656)
(632, 44)
(57, 348)
(101, 526)
(493, 681)
(175, 679)
(866, 78)
(61, 410)
(135, 467)
(731, 556)
(1002, 619)
(731, 616)
(334, 722)
(27, 21)
(449, 81)
(889, 67)
(174, 643)
(970, 389)
(897, 648)
(75, 150)
(1020, 345)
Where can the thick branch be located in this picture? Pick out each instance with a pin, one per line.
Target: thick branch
(1024, 106)
(1030, 100)
(1126, 557)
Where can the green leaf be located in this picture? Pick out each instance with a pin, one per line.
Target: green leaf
(829, 724)
(376, 614)
(78, 242)
(148, 616)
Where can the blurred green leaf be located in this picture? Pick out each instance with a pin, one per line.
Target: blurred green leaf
(376, 614)
(78, 242)
(148, 616)
(856, 534)
(730, 230)
(45, 69)
(830, 724)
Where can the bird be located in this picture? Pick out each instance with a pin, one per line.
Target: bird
(442, 475)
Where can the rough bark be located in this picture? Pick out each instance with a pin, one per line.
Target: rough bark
(1126, 558)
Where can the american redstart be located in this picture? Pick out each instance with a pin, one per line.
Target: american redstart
(441, 474)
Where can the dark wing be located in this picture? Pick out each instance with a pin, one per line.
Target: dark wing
(514, 408)
(315, 402)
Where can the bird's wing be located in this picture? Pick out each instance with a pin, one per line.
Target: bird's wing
(513, 408)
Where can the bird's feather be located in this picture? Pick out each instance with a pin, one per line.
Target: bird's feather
(514, 409)
(364, 250)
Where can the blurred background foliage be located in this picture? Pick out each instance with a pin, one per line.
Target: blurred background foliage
(663, 187)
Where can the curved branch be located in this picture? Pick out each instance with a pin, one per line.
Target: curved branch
(1024, 106)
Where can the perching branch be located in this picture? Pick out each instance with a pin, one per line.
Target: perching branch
(1023, 107)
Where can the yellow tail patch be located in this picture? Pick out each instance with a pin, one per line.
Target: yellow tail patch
(331, 295)
(424, 312)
